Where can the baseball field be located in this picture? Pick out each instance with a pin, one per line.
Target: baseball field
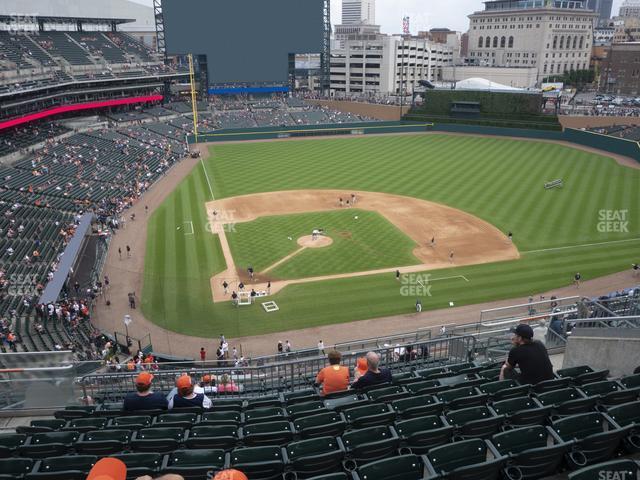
(256, 204)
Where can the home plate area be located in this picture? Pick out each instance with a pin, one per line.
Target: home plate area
(270, 306)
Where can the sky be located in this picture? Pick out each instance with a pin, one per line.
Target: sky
(423, 14)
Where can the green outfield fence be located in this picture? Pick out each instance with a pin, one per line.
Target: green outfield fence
(618, 146)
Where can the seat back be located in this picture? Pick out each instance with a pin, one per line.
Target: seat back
(520, 439)
(417, 406)
(305, 408)
(16, 467)
(203, 457)
(474, 422)
(371, 443)
(448, 458)
(522, 411)
(423, 433)
(223, 417)
(578, 426)
(403, 467)
(258, 462)
(632, 381)
(82, 463)
(319, 425)
(625, 414)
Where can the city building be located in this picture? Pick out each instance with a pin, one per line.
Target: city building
(602, 8)
(630, 8)
(627, 29)
(358, 11)
(554, 36)
(603, 35)
(446, 36)
(620, 73)
(382, 64)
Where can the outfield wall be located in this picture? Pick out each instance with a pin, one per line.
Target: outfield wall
(301, 131)
(617, 146)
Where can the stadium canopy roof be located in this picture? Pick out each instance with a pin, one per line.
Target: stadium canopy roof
(476, 83)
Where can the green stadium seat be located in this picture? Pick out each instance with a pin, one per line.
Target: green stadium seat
(553, 384)
(131, 422)
(315, 456)
(332, 423)
(424, 387)
(417, 406)
(223, 437)
(194, 464)
(431, 372)
(503, 389)
(596, 439)
(332, 476)
(423, 433)
(304, 409)
(387, 394)
(68, 467)
(627, 416)
(609, 393)
(466, 460)
(230, 417)
(533, 451)
(567, 401)
(403, 467)
(41, 426)
(180, 420)
(582, 374)
(268, 414)
(459, 381)
(157, 440)
(491, 374)
(15, 468)
(522, 411)
(462, 398)
(342, 401)
(264, 402)
(71, 414)
(301, 396)
(368, 444)
(474, 422)
(86, 424)
(103, 442)
(259, 463)
(48, 444)
(224, 405)
(9, 443)
(622, 469)
(630, 382)
(267, 433)
(404, 378)
(369, 415)
(139, 464)
(468, 367)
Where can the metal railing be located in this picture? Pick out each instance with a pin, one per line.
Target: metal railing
(531, 311)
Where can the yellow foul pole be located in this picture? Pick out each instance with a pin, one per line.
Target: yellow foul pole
(194, 101)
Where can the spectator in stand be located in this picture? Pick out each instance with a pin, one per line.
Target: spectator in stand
(335, 377)
(207, 385)
(375, 375)
(186, 396)
(361, 368)
(226, 385)
(143, 398)
(529, 355)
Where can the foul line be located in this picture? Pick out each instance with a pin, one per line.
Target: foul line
(207, 177)
(582, 246)
(284, 259)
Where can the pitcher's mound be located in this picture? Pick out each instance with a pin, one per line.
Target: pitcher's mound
(319, 242)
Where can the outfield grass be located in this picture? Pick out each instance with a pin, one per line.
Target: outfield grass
(499, 180)
(368, 243)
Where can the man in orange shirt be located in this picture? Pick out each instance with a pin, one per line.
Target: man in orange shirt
(335, 377)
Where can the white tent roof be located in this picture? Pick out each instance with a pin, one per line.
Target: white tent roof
(477, 83)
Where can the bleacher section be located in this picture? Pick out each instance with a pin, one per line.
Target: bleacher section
(449, 422)
(628, 132)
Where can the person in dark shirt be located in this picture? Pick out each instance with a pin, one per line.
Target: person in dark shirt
(374, 375)
(144, 398)
(529, 355)
(186, 396)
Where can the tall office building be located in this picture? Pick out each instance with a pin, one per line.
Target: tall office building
(630, 8)
(358, 11)
(602, 8)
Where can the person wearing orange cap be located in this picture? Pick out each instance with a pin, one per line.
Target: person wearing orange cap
(335, 377)
(186, 397)
(206, 385)
(143, 398)
(230, 474)
(108, 469)
(361, 368)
